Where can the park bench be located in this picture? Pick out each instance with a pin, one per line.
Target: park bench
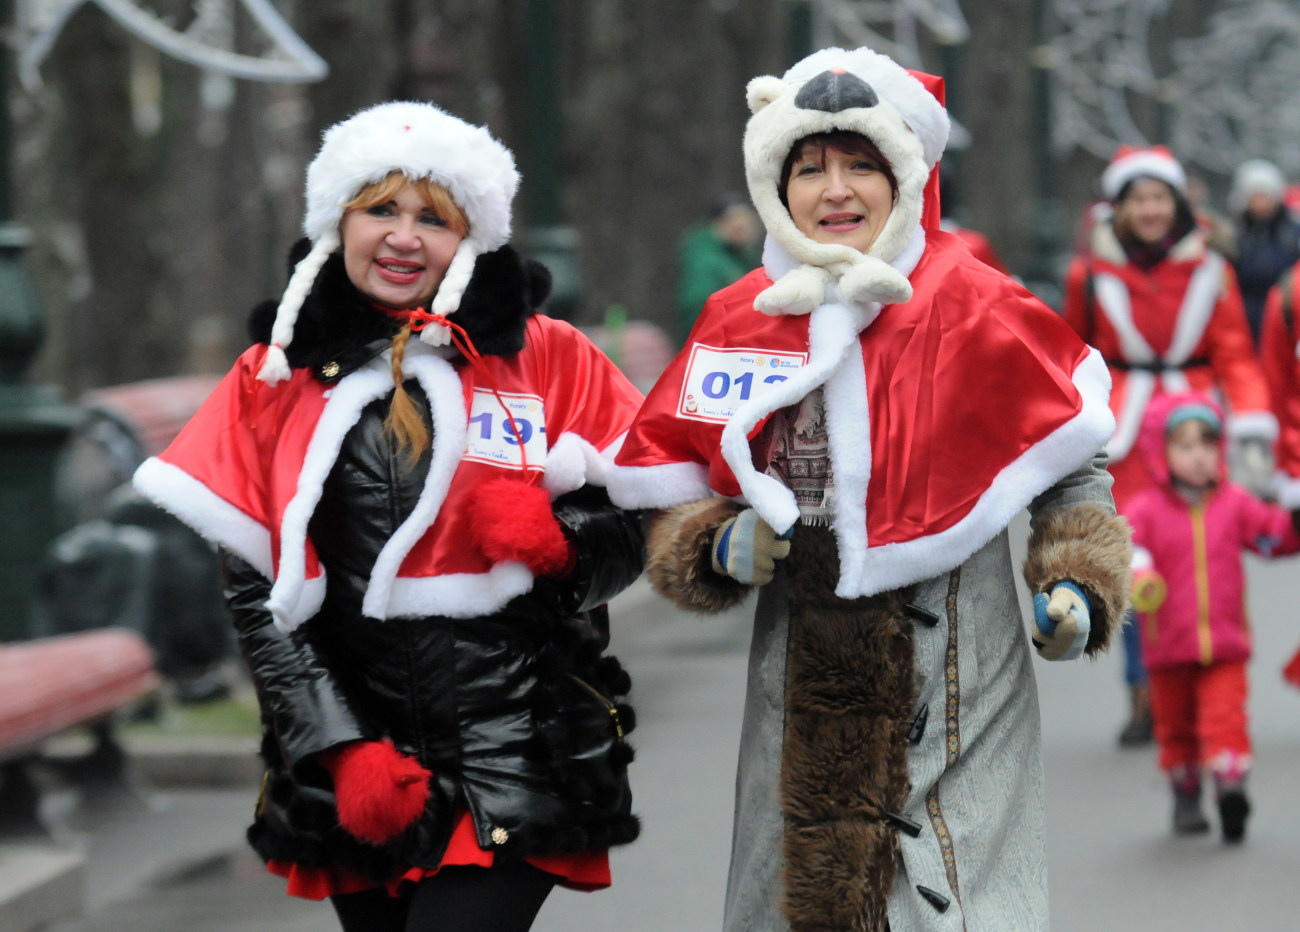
(50, 686)
(85, 679)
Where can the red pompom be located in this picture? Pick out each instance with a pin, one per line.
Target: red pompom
(513, 522)
(379, 790)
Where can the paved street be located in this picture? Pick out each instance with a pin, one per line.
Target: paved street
(178, 864)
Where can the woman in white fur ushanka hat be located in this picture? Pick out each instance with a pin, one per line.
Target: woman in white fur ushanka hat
(851, 428)
(417, 546)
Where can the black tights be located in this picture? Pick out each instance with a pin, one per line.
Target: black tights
(503, 898)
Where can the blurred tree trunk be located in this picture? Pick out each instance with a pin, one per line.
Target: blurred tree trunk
(996, 86)
(159, 193)
(655, 112)
(113, 185)
(364, 49)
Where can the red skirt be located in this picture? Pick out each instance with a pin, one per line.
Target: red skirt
(586, 871)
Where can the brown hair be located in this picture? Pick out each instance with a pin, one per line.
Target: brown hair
(405, 422)
(1205, 432)
(1183, 223)
(843, 140)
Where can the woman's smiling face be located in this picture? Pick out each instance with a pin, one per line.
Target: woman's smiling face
(1150, 210)
(839, 197)
(396, 252)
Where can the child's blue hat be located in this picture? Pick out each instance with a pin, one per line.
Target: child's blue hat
(1194, 412)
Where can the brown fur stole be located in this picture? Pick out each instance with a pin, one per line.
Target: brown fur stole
(1092, 547)
(850, 687)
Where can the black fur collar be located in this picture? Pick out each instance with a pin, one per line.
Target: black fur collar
(338, 327)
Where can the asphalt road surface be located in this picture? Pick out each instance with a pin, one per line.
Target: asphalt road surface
(176, 862)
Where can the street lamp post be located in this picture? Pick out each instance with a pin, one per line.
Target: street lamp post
(546, 237)
(34, 421)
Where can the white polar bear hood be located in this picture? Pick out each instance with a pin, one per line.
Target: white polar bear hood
(863, 92)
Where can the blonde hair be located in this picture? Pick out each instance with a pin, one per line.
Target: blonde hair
(435, 197)
(405, 422)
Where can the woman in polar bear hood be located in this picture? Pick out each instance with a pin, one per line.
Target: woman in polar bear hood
(851, 428)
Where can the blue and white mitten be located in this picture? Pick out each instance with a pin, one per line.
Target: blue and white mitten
(1062, 622)
(746, 548)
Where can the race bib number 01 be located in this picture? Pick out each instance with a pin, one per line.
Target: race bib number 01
(492, 440)
(718, 381)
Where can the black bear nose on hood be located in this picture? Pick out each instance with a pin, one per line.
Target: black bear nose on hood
(833, 91)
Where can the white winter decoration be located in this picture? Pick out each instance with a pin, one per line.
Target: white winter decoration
(851, 23)
(204, 43)
(1227, 95)
(1236, 90)
(1099, 60)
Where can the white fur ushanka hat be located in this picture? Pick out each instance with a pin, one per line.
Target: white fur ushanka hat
(863, 92)
(421, 141)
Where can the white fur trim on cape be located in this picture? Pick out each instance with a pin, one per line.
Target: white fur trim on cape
(832, 330)
(574, 461)
(1203, 290)
(1253, 425)
(1046, 462)
(661, 486)
(459, 595)
(442, 387)
(1288, 492)
(212, 517)
(832, 337)
(341, 412)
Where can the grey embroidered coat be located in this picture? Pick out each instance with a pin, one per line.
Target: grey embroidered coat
(890, 773)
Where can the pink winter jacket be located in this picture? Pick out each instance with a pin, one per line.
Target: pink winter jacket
(1197, 549)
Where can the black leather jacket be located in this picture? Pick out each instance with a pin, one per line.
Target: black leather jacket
(516, 714)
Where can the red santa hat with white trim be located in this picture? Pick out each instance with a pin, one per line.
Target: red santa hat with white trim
(420, 141)
(1132, 162)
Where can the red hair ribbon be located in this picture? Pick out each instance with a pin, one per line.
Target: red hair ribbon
(419, 318)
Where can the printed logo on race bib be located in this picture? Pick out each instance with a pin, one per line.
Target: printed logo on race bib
(718, 381)
(491, 439)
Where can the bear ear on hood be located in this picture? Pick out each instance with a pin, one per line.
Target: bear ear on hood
(762, 90)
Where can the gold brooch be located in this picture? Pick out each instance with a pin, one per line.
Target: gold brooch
(330, 369)
(500, 836)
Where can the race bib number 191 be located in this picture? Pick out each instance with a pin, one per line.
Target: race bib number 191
(492, 440)
(718, 381)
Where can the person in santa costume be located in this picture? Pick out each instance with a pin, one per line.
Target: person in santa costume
(417, 545)
(1165, 313)
(1280, 359)
(851, 428)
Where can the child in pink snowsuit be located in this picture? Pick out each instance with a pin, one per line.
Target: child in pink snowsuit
(1189, 532)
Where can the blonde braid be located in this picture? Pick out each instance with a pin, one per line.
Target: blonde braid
(405, 423)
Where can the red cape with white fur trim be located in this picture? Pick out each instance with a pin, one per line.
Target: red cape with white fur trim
(958, 407)
(248, 469)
